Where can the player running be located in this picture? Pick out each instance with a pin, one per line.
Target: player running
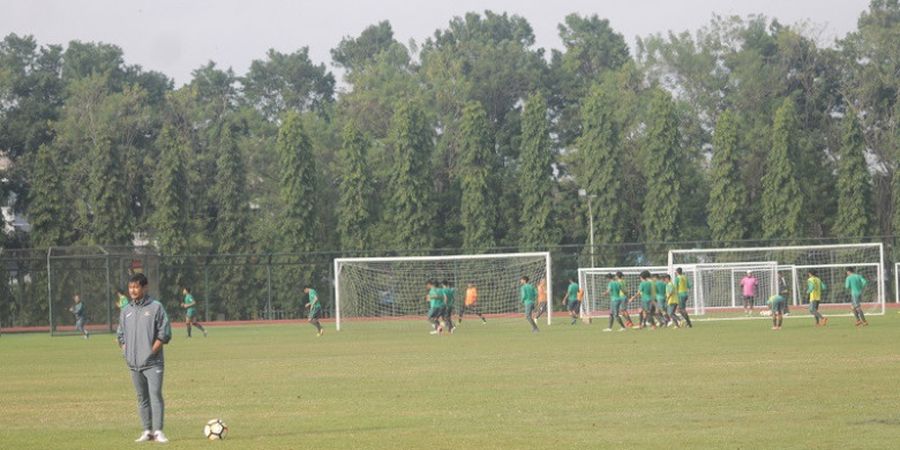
(435, 299)
(541, 299)
(748, 287)
(684, 285)
(77, 309)
(815, 288)
(315, 310)
(856, 283)
(528, 295)
(190, 314)
(776, 305)
(616, 299)
(573, 300)
(471, 303)
(449, 303)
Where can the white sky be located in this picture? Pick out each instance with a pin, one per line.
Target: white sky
(175, 37)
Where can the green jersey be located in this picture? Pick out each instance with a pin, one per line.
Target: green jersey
(450, 293)
(123, 301)
(614, 288)
(660, 291)
(775, 298)
(572, 292)
(646, 290)
(855, 284)
(191, 304)
(436, 297)
(815, 287)
(313, 298)
(78, 310)
(671, 295)
(528, 294)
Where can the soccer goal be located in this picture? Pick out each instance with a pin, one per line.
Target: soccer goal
(393, 288)
(783, 269)
(593, 281)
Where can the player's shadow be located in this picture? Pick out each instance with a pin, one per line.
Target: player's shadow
(880, 421)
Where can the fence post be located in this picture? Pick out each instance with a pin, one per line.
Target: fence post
(206, 290)
(269, 287)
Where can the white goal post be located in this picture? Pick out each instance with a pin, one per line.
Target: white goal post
(393, 288)
(792, 264)
(593, 281)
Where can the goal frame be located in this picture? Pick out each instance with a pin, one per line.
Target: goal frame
(339, 261)
(794, 267)
(700, 302)
(630, 270)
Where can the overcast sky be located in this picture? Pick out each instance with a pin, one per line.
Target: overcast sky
(175, 37)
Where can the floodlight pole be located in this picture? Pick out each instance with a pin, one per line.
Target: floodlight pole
(583, 193)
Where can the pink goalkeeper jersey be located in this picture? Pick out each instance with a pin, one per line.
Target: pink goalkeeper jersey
(749, 284)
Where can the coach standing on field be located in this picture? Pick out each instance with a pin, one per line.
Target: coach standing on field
(143, 330)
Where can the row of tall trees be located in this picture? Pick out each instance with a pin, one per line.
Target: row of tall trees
(471, 139)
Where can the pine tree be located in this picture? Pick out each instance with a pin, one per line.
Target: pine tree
(356, 192)
(232, 215)
(536, 177)
(661, 164)
(782, 200)
(477, 167)
(727, 194)
(110, 222)
(600, 170)
(853, 183)
(49, 213)
(409, 207)
(299, 205)
(169, 218)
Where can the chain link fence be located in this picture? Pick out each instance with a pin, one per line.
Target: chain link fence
(39, 284)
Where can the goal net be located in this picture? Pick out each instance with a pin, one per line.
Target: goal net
(783, 269)
(392, 289)
(593, 282)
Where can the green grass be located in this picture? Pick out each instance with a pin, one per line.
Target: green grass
(720, 385)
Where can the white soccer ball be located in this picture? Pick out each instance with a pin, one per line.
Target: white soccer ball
(215, 429)
(765, 312)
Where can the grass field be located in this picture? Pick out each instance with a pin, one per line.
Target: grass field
(720, 385)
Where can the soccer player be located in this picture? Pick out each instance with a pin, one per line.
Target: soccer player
(662, 315)
(624, 295)
(143, 330)
(684, 285)
(671, 300)
(435, 299)
(573, 300)
(449, 303)
(855, 283)
(528, 294)
(776, 305)
(471, 303)
(77, 309)
(814, 288)
(121, 299)
(748, 287)
(315, 310)
(190, 313)
(616, 299)
(541, 299)
(645, 291)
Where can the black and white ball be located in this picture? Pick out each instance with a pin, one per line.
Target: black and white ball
(215, 429)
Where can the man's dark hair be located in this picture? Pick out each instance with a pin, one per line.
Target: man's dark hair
(610, 276)
(679, 271)
(620, 274)
(851, 269)
(525, 279)
(188, 289)
(138, 278)
(645, 274)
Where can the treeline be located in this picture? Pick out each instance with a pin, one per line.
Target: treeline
(473, 138)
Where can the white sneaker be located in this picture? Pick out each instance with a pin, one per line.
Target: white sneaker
(145, 436)
(607, 329)
(160, 437)
(433, 332)
(623, 329)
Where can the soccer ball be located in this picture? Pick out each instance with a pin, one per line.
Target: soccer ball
(765, 312)
(215, 429)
